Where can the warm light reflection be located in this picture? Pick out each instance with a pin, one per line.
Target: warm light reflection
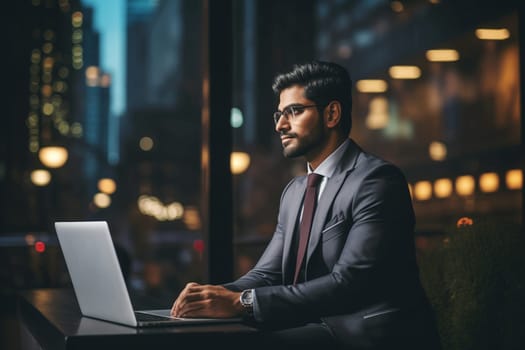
(48, 108)
(443, 188)
(404, 72)
(489, 182)
(191, 218)
(239, 162)
(102, 200)
(48, 63)
(77, 53)
(464, 221)
(60, 86)
(92, 73)
(76, 19)
(30, 239)
(64, 5)
(437, 151)
(397, 6)
(76, 129)
(105, 80)
(46, 90)
(76, 37)
(107, 185)
(442, 55)
(53, 156)
(423, 190)
(146, 143)
(40, 177)
(492, 34)
(344, 51)
(47, 48)
(377, 117)
(36, 56)
(514, 179)
(152, 206)
(465, 185)
(371, 85)
(63, 127)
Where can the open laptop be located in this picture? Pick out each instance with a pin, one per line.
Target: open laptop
(98, 281)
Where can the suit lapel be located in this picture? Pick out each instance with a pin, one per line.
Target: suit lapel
(334, 183)
(293, 206)
(325, 202)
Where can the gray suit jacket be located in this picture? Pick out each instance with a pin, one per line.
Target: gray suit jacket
(362, 279)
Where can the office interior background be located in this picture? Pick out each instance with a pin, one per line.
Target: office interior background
(127, 123)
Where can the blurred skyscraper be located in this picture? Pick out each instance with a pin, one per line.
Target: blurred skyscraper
(163, 101)
(138, 18)
(92, 103)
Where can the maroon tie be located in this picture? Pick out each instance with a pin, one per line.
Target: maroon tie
(310, 200)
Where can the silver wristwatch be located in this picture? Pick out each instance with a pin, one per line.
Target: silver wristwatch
(246, 300)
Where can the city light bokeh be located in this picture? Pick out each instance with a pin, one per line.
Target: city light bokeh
(109, 117)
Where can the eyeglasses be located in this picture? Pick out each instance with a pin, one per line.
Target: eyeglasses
(290, 112)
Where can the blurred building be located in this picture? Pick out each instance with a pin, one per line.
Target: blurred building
(92, 104)
(139, 15)
(47, 61)
(159, 175)
(54, 102)
(165, 100)
(48, 108)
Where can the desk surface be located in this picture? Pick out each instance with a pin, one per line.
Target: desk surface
(53, 318)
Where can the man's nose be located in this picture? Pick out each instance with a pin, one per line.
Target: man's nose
(282, 124)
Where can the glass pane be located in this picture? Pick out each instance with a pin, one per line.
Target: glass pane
(117, 85)
(450, 119)
(161, 144)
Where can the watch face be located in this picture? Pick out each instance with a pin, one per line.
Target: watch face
(247, 298)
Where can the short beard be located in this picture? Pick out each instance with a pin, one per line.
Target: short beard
(305, 145)
(293, 153)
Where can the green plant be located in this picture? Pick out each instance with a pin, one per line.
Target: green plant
(476, 283)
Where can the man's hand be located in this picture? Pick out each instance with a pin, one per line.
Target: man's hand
(198, 300)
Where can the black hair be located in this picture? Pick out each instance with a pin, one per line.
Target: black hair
(323, 82)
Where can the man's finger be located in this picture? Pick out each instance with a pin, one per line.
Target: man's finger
(182, 296)
(193, 309)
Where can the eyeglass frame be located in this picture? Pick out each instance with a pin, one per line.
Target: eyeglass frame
(289, 110)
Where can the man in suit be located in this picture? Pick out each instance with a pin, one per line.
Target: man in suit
(358, 285)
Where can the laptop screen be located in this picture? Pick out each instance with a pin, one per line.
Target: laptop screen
(94, 270)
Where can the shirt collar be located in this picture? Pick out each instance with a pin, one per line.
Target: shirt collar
(327, 166)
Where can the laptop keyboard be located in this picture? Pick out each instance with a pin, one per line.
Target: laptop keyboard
(148, 317)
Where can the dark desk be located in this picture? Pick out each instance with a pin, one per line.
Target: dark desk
(50, 319)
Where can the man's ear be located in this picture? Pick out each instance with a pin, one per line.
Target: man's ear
(333, 112)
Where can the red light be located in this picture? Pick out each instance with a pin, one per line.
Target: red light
(464, 221)
(198, 245)
(40, 247)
